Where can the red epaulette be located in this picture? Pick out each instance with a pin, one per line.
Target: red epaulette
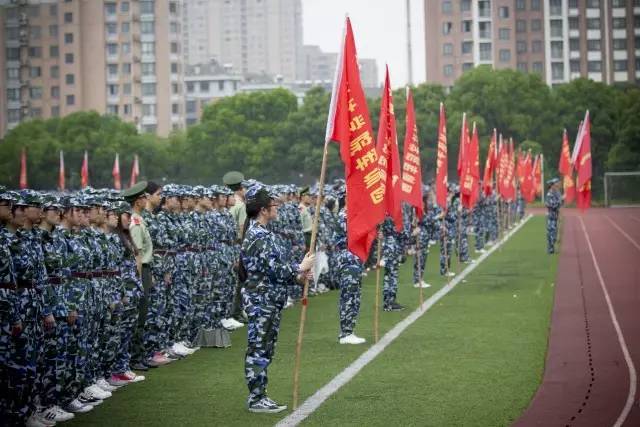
(136, 221)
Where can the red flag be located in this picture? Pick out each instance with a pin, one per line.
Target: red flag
(388, 157)
(349, 124)
(23, 170)
(490, 164)
(464, 141)
(471, 179)
(511, 169)
(502, 169)
(411, 171)
(528, 185)
(537, 176)
(565, 167)
(115, 173)
(61, 181)
(135, 171)
(441, 161)
(84, 171)
(582, 162)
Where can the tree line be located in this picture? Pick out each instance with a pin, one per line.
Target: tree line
(268, 136)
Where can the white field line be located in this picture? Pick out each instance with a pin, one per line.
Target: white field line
(627, 357)
(318, 398)
(635, 218)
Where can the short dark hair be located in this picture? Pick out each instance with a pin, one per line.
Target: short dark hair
(152, 187)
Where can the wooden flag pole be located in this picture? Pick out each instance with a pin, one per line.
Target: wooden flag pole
(376, 313)
(305, 289)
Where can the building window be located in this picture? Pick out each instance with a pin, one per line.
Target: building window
(594, 66)
(503, 12)
(594, 45)
(71, 100)
(126, 48)
(204, 86)
(112, 49)
(555, 7)
(68, 58)
(53, 31)
(574, 23)
(54, 71)
(53, 10)
(620, 44)
(148, 89)
(148, 48)
(126, 89)
(485, 51)
(35, 33)
(126, 68)
(556, 28)
(174, 68)
(55, 92)
(521, 4)
(110, 9)
(13, 94)
(536, 46)
(619, 23)
(68, 38)
(620, 65)
(574, 65)
(69, 79)
(54, 51)
(36, 113)
(557, 51)
(175, 109)
(68, 18)
(467, 47)
(148, 68)
(35, 52)
(466, 26)
(147, 27)
(447, 49)
(447, 8)
(574, 44)
(446, 28)
(505, 55)
(484, 8)
(55, 111)
(190, 87)
(593, 3)
(593, 23)
(535, 4)
(112, 109)
(147, 7)
(112, 28)
(148, 109)
(521, 26)
(221, 82)
(34, 11)
(13, 73)
(537, 67)
(174, 28)
(124, 7)
(521, 46)
(536, 25)
(523, 67)
(13, 54)
(35, 92)
(112, 90)
(149, 128)
(465, 5)
(573, 4)
(619, 3)
(191, 107)
(125, 27)
(35, 72)
(173, 8)
(126, 109)
(504, 33)
(174, 47)
(13, 33)
(485, 30)
(447, 70)
(13, 116)
(112, 70)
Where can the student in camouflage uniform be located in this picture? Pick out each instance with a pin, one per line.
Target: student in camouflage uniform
(553, 202)
(391, 253)
(266, 278)
(449, 231)
(423, 233)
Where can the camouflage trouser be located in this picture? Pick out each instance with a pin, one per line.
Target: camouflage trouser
(480, 229)
(462, 246)
(350, 270)
(96, 318)
(390, 282)
(128, 320)
(6, 345)
(154, 324)
(181, 299)
(445, 253)
(24, 353)
(552, 233)
(420, 259)
(263, 327)
(54, 364)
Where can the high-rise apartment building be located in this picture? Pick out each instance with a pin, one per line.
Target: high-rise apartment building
(559, 39)
(118, 57)
(254, 37)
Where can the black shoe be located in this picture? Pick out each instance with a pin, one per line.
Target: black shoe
(396, 307)
(139, 366)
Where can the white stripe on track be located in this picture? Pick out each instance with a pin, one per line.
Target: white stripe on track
(635, 218)
(625, 351)
(320, 396)
(615, 224)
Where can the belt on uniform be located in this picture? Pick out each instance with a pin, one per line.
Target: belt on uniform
(104, 274)
(164, 252)
(192, 249)
(55, 280)
(82, 275)
(25, 284)
(11, 286)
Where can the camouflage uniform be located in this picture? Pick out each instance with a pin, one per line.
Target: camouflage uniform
(552, 201)
(448, 237)
(426, 226)
(349, 269)
(391, 254)
(264, 296)
(9, 316)
(462, 242)
(479, 222)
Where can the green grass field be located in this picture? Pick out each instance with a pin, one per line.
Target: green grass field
(476, 358)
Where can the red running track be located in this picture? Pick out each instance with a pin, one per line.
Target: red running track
(587, 379)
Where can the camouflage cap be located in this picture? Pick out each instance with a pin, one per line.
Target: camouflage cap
(553, 180)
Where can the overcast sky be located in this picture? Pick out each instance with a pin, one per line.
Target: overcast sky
(380, 32)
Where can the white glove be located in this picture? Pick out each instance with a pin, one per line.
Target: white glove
(381, 263)
(415, 232)
(307, 262)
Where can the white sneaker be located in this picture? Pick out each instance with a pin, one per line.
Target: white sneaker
(450, 274)
(135, 378)
(46, 416)
(189, 347)
(289, 303)
(105, 386)
(235, 324)
(422, 285)
(183, 348)
(76, 407)
(352, 339)
(97, 392)
(180, 350)
(34, 421)
(62, 415)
